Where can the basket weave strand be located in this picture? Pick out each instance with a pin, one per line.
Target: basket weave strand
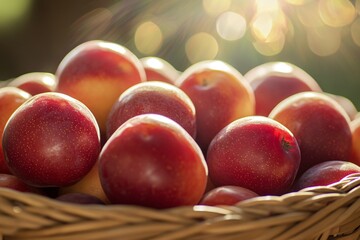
(329, 212)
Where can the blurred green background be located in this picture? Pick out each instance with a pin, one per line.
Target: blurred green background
(320, 36)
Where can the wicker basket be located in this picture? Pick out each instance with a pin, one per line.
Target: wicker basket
(331, 212)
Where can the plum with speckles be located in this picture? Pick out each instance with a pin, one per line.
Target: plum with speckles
(272, 82)
(220, 95)
(325, 173)
(14, 183)
(51, 140)
(10, 99)
(35, 82)
(227, 195)
(153, 97)
(96, 73)
(256, 153)
(320, 125)
(158, 69)
(151, 161)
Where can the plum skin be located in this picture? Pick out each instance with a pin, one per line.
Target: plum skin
(52, 140)
(153, 97)
(227, 195)
(152, 161)
(325, 173)
(320, 125)
(256, 153)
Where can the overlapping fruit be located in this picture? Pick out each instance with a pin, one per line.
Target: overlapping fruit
(110, 128)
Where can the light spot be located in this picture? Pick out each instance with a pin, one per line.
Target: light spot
(337, 13)
(155, 63)
(201, 46)
(308, 14)
(297, 2)
(267, 5)
(216, 7)
(148, 38)
(262, 26)
(355, 31)
(270, 48)
(231, 26)
(324, 41)
(283, 67)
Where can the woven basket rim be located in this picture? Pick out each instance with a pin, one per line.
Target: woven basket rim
(321, 212)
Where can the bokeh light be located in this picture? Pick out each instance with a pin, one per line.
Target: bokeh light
(355, 31)
(261, 26)
(269, 28)
(308, 14)
(271, 48)
(267, 5)
(231, 26)
(297, 2)
(148, 38)
(201, 46)
(337, 13)
(216, 7)
(322, 36)
(324, 40)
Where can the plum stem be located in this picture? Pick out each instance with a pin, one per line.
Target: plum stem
(285, 144)
(205, 82)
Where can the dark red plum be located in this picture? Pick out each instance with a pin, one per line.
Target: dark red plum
(51, 140)
(152, 161)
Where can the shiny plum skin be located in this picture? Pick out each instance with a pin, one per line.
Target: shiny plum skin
(153, 97)
(96, 73)
(227, 195)
(325, 173)
(158, 69)
(35, 82)
(272, 82)
(256, 153)
(320, 125)
(10, 99)
(152, 161)
(14, 183)
(355, 146)
(220, 95)
(52, 140)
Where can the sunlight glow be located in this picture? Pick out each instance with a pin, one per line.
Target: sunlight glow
(201, 46)
(271, 48)
(337, 13)
(216, 7)
(262, 26)
(48, 80)
(355, 31)
(324, 41)
(267, 5)
(297, 2)
(148, 38)
(219, 66)
(283, 67)
(308, 14)
(269, 27)
(231, 26)
(154, 62)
